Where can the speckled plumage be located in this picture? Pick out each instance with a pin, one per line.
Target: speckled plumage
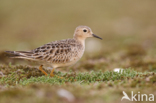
(59, 53)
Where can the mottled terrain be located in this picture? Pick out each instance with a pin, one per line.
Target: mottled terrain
(128, 30)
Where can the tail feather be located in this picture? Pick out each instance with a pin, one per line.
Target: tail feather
(11, 52)
(20, 54)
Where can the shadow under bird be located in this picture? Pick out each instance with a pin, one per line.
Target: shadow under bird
(59, 53)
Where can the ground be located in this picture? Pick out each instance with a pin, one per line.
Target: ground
(128, 31)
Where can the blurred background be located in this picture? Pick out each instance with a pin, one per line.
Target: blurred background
(128, 28)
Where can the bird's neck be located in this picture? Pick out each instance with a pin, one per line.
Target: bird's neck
(80, 40)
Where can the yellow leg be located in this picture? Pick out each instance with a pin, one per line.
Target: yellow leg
(40, 68)
(52, 73)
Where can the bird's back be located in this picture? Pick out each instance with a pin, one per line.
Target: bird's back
(58, 53)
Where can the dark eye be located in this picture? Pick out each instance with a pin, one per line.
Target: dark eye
(84, 30)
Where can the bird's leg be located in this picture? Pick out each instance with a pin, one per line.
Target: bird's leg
(40, 68)
(52, 73)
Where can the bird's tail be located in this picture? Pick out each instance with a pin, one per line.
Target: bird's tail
(21, 54)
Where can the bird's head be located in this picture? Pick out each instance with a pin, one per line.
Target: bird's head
(83, 32)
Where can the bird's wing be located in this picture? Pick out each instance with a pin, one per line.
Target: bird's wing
(55, 52)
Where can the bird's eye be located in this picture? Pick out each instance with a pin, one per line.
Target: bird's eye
(84, 30)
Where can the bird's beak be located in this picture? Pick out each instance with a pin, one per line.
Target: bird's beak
(96, 36)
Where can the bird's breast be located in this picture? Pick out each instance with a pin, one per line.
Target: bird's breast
(71, 58)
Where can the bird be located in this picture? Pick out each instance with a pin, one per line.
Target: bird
(61, 53)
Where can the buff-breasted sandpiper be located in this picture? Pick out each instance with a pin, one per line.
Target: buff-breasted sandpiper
(59, 53)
